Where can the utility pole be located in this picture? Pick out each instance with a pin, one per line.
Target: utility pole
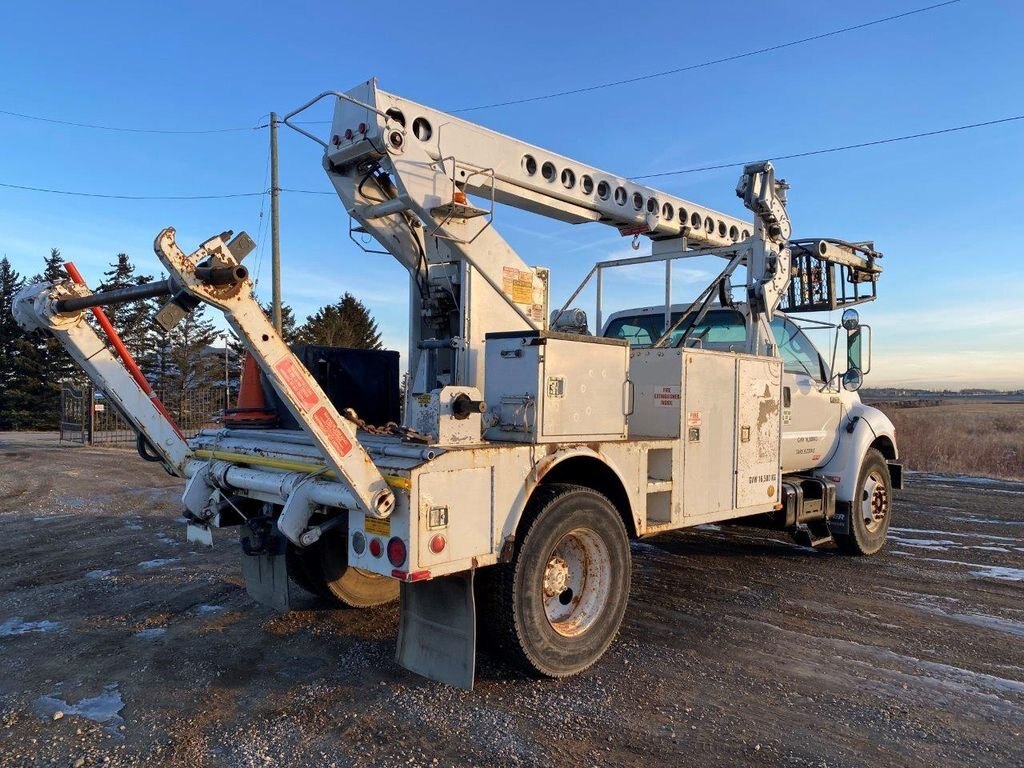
(227, 380)
(275, 234)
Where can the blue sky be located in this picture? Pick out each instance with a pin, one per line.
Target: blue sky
(945, 210)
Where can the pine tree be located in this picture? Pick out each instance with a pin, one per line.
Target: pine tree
(51, 365)
(347, 323)
(186, 367)
(15, 392)
(132, 320)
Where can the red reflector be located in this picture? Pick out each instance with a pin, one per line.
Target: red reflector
(362, 127)
(437, 543)
(376, 548)
(414, 576)
(396, 552)
(349, 134)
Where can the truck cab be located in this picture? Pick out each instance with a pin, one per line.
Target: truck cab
(814, 402)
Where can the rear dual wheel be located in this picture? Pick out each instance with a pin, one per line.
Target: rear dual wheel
(323, 569)
(557, 607)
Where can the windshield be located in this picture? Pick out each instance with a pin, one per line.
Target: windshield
(796, 350)
(721, 329)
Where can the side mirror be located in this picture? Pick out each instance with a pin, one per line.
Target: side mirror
(853, 379)
(851, 319)
(854, 352)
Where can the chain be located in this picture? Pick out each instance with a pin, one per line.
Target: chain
(391, 428)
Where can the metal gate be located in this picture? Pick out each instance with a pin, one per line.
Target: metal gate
(88, 418)
(74, 419)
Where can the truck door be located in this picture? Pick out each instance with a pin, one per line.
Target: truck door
(810, 411)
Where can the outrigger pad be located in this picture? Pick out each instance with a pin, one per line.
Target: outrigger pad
(437, 629)
(265, 570)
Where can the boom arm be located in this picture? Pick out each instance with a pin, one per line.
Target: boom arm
(404, 170)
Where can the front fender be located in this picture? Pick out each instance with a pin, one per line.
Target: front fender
(863, 427)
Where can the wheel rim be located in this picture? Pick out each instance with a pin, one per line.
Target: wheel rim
(576, 582)
(874, 504)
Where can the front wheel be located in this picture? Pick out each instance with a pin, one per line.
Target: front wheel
(560, 602)
(871, 509)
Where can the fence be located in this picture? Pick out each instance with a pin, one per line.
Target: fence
(88, 418)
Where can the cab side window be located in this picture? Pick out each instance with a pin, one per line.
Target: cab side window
(797, 352)
(723, 330)
(636, 335)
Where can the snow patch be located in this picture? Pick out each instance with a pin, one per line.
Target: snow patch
(999, 624)
(100, 574)
(16, 626)
(104, 708)
(151, 633)
(643, 546)
(940, 545)
(160, 561)
(999, 572)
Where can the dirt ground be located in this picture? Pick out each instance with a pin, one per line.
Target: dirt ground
(738, 648)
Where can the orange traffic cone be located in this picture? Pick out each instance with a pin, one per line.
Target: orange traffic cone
(251, 410)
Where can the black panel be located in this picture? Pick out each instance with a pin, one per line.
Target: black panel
(365, 380)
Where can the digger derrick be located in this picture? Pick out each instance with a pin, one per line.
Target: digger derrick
(529, 450)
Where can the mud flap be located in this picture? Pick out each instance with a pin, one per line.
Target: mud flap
(437, 629)
(840, 521)
(265, 569)
(197, 533)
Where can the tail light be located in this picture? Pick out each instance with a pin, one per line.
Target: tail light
(358, 542)
(376, 548)
(396, 552)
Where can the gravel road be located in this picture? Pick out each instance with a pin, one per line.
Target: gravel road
(122, 645)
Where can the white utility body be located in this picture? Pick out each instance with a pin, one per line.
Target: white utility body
(531, 451)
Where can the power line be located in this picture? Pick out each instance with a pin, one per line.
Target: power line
(712, 62)
(690, 67)
(791, 156)
(131, 197)
(121, 129)
(842, 148)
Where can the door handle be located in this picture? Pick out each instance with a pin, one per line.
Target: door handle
(787, 397)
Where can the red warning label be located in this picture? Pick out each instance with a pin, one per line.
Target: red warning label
(331, 431)
(296, 382)
(666, 396)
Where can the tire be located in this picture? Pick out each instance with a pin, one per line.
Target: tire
(557, 607)
(323, 570)
(871, 509)
(352, 587)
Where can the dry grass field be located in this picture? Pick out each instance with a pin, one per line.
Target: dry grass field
(968, 438)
